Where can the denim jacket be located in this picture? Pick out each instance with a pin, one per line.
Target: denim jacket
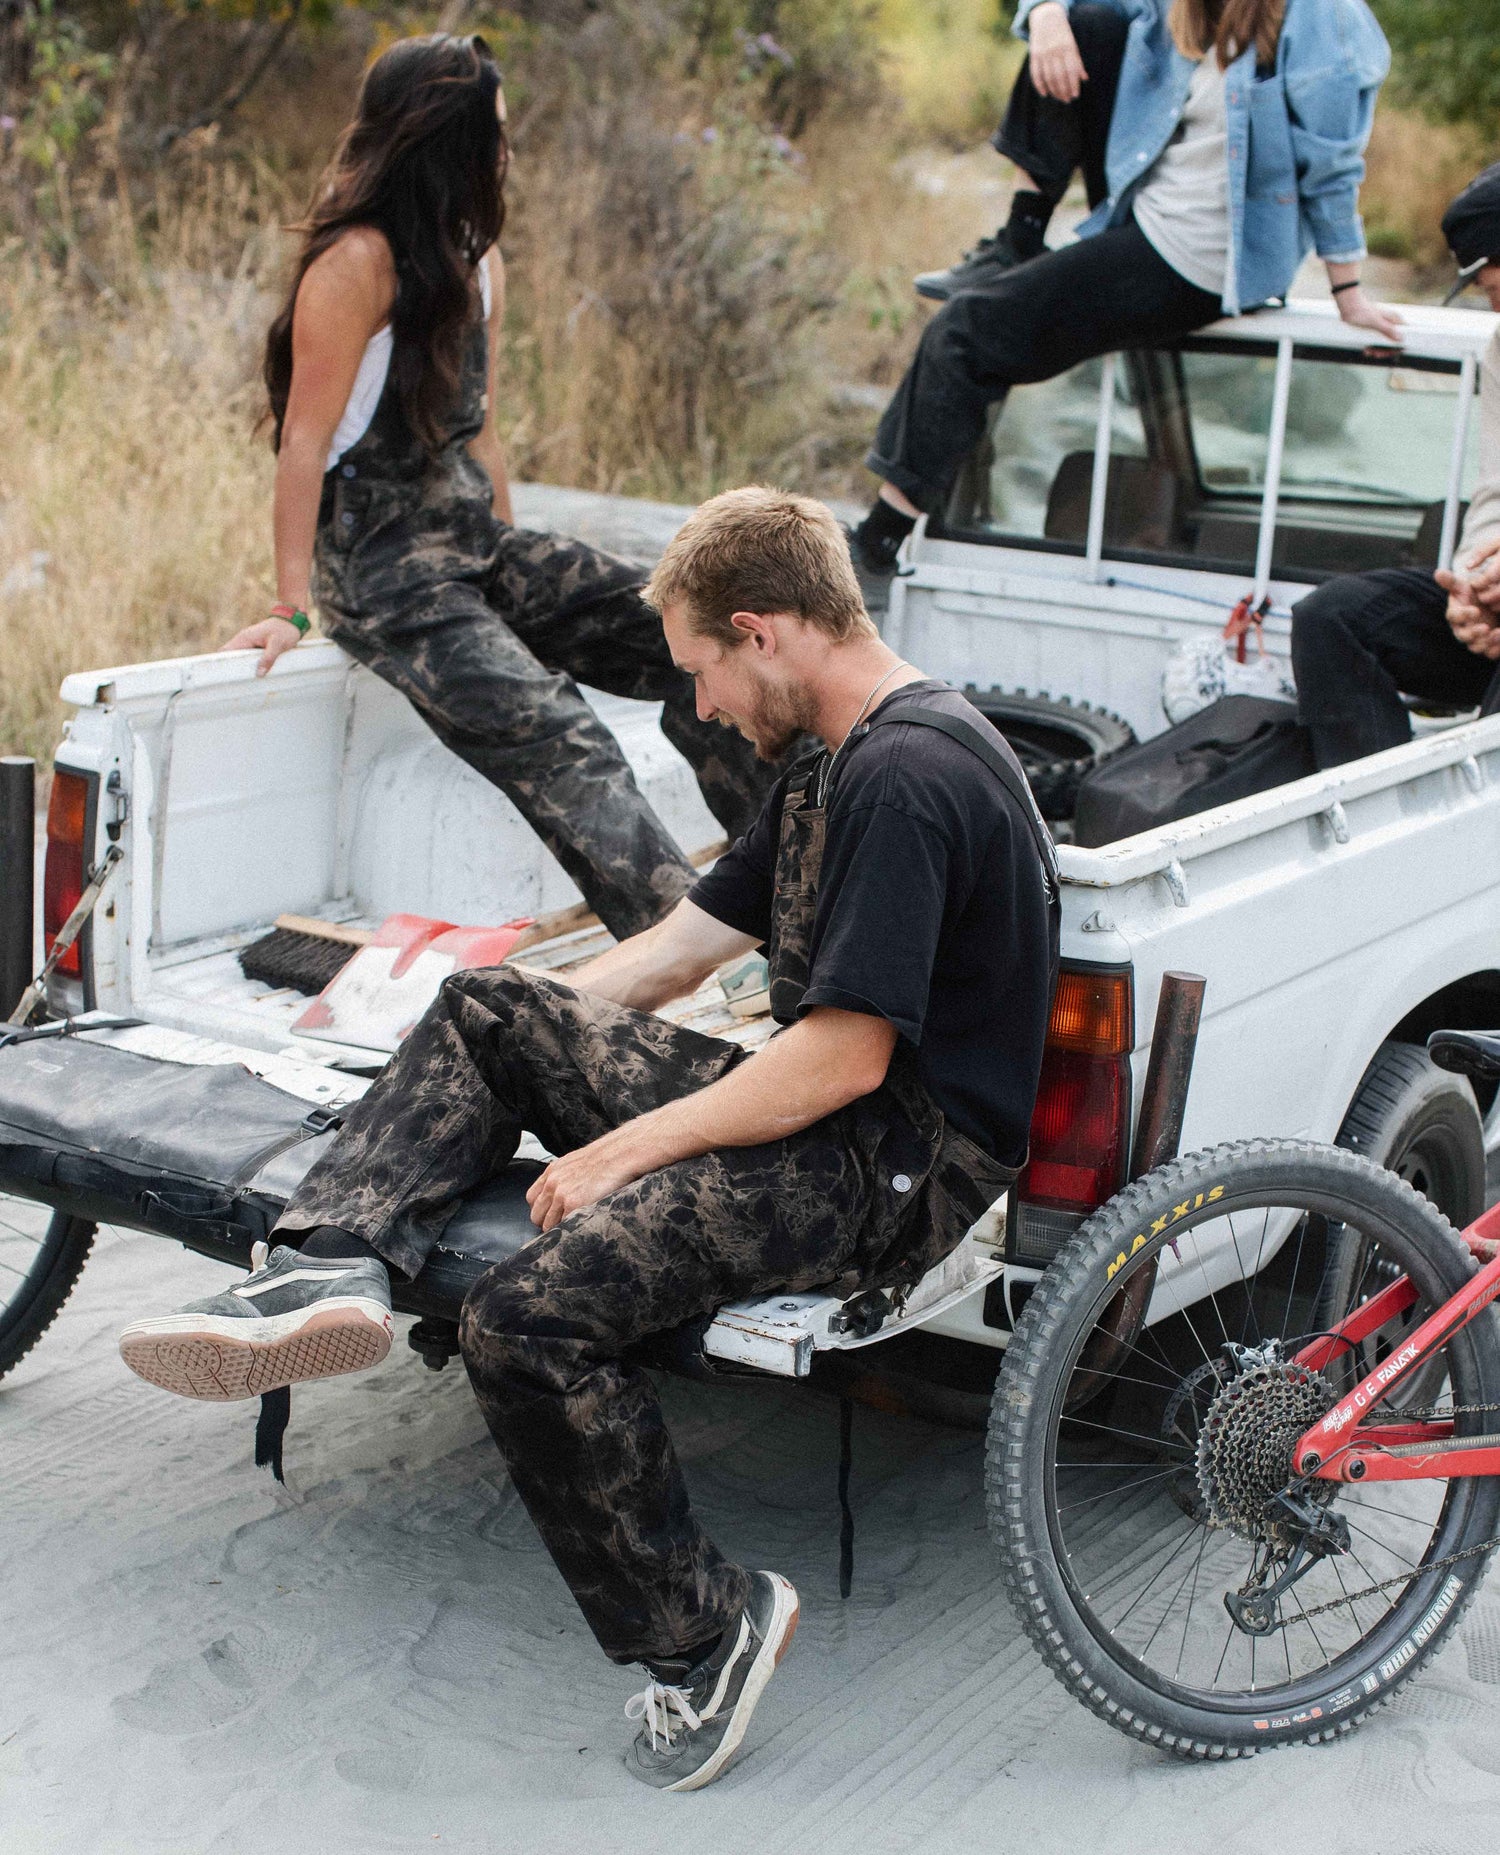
(1296, 135)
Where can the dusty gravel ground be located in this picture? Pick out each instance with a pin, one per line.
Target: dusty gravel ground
(381, 1657)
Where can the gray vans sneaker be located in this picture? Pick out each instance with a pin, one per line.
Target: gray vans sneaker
(292, 1318)
(689, 1734)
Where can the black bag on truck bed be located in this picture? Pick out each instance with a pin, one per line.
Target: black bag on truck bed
(1237, 746)
(207, 1153)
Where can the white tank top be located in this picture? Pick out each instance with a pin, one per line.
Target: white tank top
(369, 382)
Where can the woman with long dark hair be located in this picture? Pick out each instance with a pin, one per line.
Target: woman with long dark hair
(1220, 141)
(392, 506)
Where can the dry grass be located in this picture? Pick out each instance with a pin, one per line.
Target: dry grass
(952, 62)
(685, 315)
(132, 499)
(688, 311)
(1413, 168)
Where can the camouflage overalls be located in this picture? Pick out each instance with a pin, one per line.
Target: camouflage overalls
(484, 628)
(871, 1195)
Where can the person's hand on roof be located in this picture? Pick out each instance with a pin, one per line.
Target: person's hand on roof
(1360, 310)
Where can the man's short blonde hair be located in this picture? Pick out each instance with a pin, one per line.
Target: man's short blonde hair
(760, 550)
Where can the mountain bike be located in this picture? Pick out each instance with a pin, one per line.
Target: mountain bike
(1244, 1461)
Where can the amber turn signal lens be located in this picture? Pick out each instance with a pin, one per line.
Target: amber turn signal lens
(1091, 1014)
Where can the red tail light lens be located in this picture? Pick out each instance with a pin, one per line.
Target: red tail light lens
(1080, 1128)
(67, 823)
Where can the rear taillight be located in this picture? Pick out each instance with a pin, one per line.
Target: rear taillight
(67, 826)
(1080, 1130)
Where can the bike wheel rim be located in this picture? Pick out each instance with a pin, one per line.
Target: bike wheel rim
(1387, 1626)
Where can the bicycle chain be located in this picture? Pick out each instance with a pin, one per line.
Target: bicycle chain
(1373, 1590)
(1434, 1413)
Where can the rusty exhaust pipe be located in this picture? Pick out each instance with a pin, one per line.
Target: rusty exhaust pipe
(1174, 1040)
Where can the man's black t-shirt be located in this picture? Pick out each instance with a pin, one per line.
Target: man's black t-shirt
(931, 913)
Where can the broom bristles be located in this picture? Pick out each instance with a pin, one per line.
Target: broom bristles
(287, 957)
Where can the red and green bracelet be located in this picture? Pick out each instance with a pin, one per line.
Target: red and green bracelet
(294, 615)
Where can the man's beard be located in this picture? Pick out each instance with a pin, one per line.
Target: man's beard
(778, 720)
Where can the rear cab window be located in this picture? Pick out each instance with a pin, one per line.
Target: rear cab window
(1367, 453)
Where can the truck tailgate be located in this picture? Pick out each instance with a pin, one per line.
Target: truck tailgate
(203, 1148)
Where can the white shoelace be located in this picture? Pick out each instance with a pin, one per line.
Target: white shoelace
(655, 1704)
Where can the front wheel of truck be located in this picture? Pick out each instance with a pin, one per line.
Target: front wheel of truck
(42, 1253)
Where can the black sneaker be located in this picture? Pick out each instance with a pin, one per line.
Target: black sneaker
(292, 1318)
(873, 573)
(991, 258)
(690, 1733)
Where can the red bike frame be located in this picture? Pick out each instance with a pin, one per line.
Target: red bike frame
(1339, 1447)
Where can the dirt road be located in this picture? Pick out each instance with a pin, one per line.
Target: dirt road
(381, 1657)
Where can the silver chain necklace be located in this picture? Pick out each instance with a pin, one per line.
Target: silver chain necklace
(899, 664)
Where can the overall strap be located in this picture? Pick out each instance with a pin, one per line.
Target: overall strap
(1010, 776)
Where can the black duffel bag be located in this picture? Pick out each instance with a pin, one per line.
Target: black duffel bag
(1236, 746)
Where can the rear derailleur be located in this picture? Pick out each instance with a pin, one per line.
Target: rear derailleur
(1317, 1533)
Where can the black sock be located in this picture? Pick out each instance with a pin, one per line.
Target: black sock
(1027, 226)
(675, 1672)
(882, 531)
(328, 1241)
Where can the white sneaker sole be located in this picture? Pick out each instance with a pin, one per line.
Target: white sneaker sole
(219, 1358)
(779, 1633)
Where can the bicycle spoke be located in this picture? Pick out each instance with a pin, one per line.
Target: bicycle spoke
(1192, 1597)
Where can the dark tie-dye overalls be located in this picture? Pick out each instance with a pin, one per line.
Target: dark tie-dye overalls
(871, 1196)
(484, 628)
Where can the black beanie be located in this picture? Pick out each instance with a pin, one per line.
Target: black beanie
(1471, 224)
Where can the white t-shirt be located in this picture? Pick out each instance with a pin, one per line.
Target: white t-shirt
(1183, 203)
(369, 382)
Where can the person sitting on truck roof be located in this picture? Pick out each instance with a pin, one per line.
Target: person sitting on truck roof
(904, 887)
(393, 509)
(1235, 138)
(1361, 640)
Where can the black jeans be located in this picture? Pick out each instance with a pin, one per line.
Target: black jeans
(1051, 140)
(1362, 640)
(1036, 321)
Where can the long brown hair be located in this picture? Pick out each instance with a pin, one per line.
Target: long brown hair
(424, 162)
(1227, 27)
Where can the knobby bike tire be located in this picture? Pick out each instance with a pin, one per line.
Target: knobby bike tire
(48, 1282)
(1031, 1410)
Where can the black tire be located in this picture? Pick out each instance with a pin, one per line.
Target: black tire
(1056, 741)
(1077, 1542)
(1422, 1123)
(41, 1257)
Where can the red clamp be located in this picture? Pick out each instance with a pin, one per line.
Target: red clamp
(1241, 620)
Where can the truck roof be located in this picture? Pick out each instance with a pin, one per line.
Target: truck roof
(1433, 332)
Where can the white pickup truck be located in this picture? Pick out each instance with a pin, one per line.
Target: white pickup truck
(1110, 516)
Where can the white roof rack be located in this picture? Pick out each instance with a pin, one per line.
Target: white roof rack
(1432, 333)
